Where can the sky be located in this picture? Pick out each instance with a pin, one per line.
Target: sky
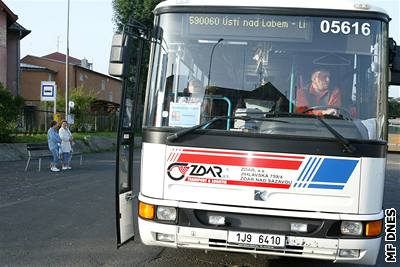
(91, 28)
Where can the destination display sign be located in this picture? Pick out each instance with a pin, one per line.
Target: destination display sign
(258, 26)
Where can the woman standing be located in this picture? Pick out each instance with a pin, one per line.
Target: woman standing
(66, 141)
(54, 141)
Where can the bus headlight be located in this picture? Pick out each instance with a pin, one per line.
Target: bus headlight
(166, 213)
(351, 228)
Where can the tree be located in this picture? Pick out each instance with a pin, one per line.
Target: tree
(142, 11)
(10, 109)
(83, 102)
(394, 109)
(139, 10)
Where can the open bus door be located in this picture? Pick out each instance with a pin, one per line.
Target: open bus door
(121, 65)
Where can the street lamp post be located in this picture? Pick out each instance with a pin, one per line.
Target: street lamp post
(67, 67)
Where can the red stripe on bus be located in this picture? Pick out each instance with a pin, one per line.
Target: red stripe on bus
(277, 156)
(242, 153)
(241, 161)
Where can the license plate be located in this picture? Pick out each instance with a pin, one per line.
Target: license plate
(255, 239)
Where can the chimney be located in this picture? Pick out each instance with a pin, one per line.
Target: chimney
(86, 64)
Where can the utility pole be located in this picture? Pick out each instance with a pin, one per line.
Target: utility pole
(67, 68)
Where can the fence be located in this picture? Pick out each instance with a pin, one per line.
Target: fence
(38, 121)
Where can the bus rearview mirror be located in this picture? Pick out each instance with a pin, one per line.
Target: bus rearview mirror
(394, 62)
(116, 69)
(119, 55)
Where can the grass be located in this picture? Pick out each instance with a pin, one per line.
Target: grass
(42, 138)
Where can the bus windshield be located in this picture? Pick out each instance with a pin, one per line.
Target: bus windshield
(268, 66)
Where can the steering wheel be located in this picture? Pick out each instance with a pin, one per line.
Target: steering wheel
(341, 112)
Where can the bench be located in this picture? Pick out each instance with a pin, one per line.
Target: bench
(41, 150)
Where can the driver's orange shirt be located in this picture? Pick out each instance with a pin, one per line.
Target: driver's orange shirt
(310, 98)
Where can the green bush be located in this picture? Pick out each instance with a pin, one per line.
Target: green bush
(10, 109)
(394, 109)
(83, 100)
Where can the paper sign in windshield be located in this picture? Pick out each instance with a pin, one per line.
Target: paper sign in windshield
(184, 114)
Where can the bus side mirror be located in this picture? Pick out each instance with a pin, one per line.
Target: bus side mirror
(394, 63)
(119, 55)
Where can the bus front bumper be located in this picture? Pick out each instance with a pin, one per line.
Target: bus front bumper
(166, 235)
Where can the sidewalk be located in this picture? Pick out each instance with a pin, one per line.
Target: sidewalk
(17, 151)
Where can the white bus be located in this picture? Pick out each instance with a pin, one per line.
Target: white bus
(264, 127)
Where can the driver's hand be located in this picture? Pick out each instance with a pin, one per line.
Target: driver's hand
(330, 111)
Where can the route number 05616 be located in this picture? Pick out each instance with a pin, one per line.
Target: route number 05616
(345, 27)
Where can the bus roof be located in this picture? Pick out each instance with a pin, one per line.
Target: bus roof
(351, 5)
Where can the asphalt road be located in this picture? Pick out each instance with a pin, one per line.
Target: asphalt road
(68, 219)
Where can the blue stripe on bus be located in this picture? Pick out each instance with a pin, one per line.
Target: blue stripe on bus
(335, 171)
(317, 166)
(310, 167)
(325, 186)
(312, 173)
(298, 179)
(308, 173)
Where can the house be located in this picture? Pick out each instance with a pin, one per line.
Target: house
(11, 34)
(106, 89)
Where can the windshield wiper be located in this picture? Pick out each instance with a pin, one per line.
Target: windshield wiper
(293, 114)
(178, 134)
(340, 138)
(183, 132)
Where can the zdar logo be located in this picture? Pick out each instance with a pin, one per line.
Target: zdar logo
(176, 171)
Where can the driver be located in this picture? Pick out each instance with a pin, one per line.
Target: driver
(317, 94)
